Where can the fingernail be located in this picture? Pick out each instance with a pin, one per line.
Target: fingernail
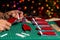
(7, 28)
(10, 24)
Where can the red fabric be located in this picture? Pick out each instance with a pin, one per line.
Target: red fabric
(40, 19)
(48, 33)
(42, 23)
(11, 20)
(45, 25)
(47, 28)
(26, 27)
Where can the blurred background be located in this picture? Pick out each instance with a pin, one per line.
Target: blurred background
(41, 8)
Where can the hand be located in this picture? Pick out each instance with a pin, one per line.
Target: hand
(4, 25)
(1, 15)
(15, 13)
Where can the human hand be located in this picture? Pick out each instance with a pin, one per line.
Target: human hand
(4, 25)
(15, 14)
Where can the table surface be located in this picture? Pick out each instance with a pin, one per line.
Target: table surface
(17, 28)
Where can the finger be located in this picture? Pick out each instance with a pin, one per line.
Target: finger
(7, 23)
(11, 13)
(4, 22)
(14, 15)
(7, 27)
(21, 13)
(1, 28)
(17, 11)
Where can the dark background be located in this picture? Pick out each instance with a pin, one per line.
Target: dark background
(32, 7)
